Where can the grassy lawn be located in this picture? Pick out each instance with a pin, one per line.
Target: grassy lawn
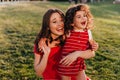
(19, 25)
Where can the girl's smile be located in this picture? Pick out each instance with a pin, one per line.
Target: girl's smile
(83, 23)
(80, 20)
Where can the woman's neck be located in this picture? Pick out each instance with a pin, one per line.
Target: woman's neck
(54, 37)
(53, 44)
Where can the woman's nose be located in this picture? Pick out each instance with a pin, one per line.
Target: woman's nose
(60, 23)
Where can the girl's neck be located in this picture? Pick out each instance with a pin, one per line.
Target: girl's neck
(78, 30)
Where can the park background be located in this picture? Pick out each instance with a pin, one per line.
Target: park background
(20, 22)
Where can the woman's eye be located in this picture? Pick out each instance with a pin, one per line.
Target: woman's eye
(54, 21)
(61, 20)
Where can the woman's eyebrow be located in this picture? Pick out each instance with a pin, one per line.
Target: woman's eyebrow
(53, 19)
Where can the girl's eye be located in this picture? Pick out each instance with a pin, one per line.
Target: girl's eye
(85, 15)
(78, 16)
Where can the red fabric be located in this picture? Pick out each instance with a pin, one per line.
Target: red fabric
(87, 78)
(50, 71)
(76, 41)
(73, 78)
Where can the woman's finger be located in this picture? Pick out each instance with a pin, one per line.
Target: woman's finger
(40, 44)
(66, 62)
(70, 63)
(63, 59)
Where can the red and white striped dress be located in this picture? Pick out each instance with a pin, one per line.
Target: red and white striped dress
(77, 41)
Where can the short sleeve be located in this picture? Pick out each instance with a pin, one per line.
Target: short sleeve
(90, 35)
(35, 50)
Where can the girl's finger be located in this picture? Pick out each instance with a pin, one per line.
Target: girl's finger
(95, 47)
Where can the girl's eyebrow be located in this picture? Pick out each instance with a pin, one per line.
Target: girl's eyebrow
(78, 15)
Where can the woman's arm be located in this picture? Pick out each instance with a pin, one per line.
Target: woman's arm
(83, 54)
(40, 61)
(74, 55)
(40, 64)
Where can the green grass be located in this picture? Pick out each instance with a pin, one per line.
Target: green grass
(19, 25)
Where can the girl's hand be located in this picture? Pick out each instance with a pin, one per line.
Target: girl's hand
(69, 59)
(94, 45)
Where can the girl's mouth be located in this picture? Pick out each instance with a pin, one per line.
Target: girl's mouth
(83, 23)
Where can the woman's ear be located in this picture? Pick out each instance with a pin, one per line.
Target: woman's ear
(72, 24)
(48, 29)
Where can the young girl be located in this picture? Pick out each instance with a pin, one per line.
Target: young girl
(78, 21)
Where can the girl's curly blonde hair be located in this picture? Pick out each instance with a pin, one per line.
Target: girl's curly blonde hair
(69, 16)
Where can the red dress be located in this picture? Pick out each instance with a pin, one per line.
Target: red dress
(50, 72)
(76, 42)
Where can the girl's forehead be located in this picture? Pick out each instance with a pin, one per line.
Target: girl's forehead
(80, 12)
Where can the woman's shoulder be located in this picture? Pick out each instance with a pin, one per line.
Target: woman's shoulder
(35, 50)
(55, 47)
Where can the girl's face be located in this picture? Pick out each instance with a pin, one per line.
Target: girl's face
(80, 20)
(56, 25)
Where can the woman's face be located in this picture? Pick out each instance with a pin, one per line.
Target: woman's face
(80, 20)
(56, 25)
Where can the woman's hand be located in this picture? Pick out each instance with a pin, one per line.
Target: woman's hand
(69, 59)
(40, 61)
(43, 46)
(94, 45)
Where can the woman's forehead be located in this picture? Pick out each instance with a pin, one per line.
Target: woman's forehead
(55, 16)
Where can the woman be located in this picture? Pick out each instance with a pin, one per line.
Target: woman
(52, 30)
(48, 46)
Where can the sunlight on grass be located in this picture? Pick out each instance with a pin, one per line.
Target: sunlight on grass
(108, 21)
(20, 23)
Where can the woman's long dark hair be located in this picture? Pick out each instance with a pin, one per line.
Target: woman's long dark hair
(69, 16)
(45, 32)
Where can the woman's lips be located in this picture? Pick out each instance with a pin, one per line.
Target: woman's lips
(60, 29)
